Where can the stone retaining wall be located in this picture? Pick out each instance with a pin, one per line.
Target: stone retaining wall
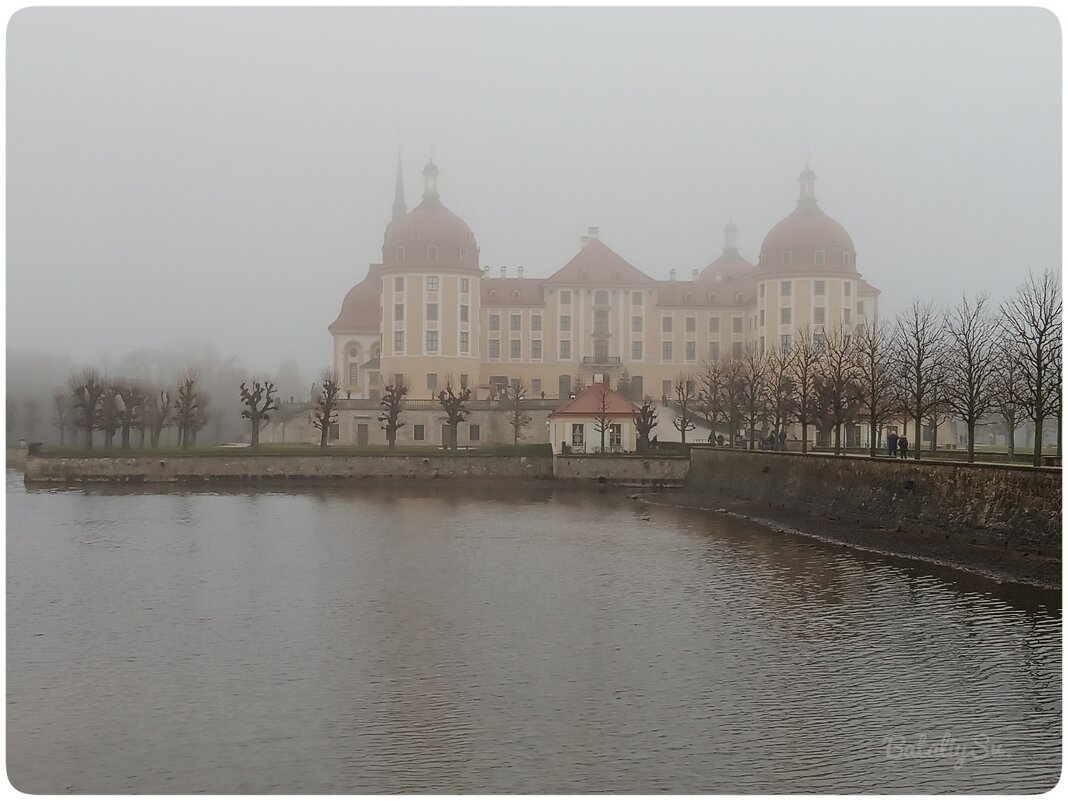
(1009, 507)
(200, 469)
(659, 471)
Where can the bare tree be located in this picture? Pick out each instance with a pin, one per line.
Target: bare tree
(971, 362)
(61, 408)
(201, 417)
(324, 413)
(875, 376)
(109, 417)
(753, 390)
(87, 388)
(733, 393)
(710, 397)
(807, 355)
(685, 397)
(392, 403)
(839, 375)
(517, 415)
(258, 402)
(157, 414)
(1032, 318)
(644, 423)
(920, 350)
(781, 393)
(455, 406)
(1008, 389)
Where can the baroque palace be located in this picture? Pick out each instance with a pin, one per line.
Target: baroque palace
(428, 312)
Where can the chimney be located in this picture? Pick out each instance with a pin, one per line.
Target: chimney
(585, 241)
(594, 232)
(671, 274)
(693, 276)
(504, 271)
(519, 271)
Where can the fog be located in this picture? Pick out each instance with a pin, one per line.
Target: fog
(225, 175)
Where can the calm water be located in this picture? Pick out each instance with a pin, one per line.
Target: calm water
(455, 639)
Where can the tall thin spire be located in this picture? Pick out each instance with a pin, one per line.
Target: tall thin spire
(399, 208)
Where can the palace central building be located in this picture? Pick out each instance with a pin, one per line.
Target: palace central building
(428, 313)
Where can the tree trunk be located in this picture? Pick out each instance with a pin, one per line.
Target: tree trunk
(62, 431)
(1010, 436)
(109, 438)
(917, 444)
(837, 438)
(683, 432)
(126, 437)
(325, 433)
(255, 443)
(804, 437)
(971, 440)
(89, 436)
(874, 436)
(1037, 459)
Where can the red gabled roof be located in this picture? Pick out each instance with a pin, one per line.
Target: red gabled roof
(598, 264)
(361, 310)
(588, 404)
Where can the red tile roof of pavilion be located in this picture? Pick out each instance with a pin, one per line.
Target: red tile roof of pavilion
(588, 404)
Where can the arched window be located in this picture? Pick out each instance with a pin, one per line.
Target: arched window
(432, 252)
(400, 252)
(515, 294)
(353, 366)
(820, 257)
(710, 298)
(493, 294)
(687, 297)
(415, 233)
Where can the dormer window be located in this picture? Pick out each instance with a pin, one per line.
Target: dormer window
(415, 233)
(582, 273)
(493, 294)
(432, 253)
(787, 258)
(515, 294)
(845, 258)
(400, 252)
(463, 255)
(738, 298)
(710, 298)
(819, 257)
(687, 297)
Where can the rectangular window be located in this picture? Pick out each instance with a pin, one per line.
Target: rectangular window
(691, 351)
(431, 283)
(665, 351)
(431, 381)
(418, 433)
(578, 435)
(635, 298)
(691, 325)
(465, 342)
(398, 341)
(636, 324)
(636, 349)
(819, 287)
(762, 346)
(845, 315)
(665, 325)
(495, 349)
(565, 349)
(787, 258)
(713, 325)
(517, 322)
(819, 315)
(432, 311)
(600, 321)
(762, 290)
(495, 322)
(535, 322)
(786, 288)
(713, 350)
(535, 349)
(473, 432)
(515, 348)
(463, 380)
(464, 313)
(565, 297)
(535, 386)
(785, 342)
(615, 435)
(762, 317)
(354, 373)
(665, 387)
(848, 289)
(565, 322)
(398, 311)
(736, 350)
(465, 283)
(785, 316)
(431, 341)
(736, 325)
(820, 257)
(398, 284)
(860, 307)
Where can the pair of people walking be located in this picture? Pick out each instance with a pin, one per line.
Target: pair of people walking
(898, 445)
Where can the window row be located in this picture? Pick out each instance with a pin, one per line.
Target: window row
(431, 253)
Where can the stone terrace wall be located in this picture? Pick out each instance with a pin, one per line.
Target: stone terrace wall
(661, 471)
(200, 469)
(1018, 508)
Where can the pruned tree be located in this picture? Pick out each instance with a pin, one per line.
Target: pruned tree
(710, 395)
(971, 363)
(782, 404)
(157, 414)
(644, 423)
(753, 389)
(919, 346)
(517, 414)
(455, 406)
(201, 417)
(733, 394)
(838, 377)
(87, 388)
(684, 393)
(807, 355)
(1008, 389)
(110, 414)
(258, 402)
(31, 413)
(324, 412)
(392, 403)
(875, 376)
(61, 414)
(1032, 319)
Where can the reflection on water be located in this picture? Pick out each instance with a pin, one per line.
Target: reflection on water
(448, 638)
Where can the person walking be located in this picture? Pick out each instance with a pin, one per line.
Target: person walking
(891, 443)
(903, 446)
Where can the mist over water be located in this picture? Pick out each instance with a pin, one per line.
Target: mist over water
(449, 639)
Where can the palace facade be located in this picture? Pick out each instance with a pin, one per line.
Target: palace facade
(429, 313)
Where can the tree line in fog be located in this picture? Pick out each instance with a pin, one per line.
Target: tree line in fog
(972, 362)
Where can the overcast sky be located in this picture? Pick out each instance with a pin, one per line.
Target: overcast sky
(228, 174)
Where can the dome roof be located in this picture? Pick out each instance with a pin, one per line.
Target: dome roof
(361, 310)
(808, 240)
(429, 236)
(730, 263)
